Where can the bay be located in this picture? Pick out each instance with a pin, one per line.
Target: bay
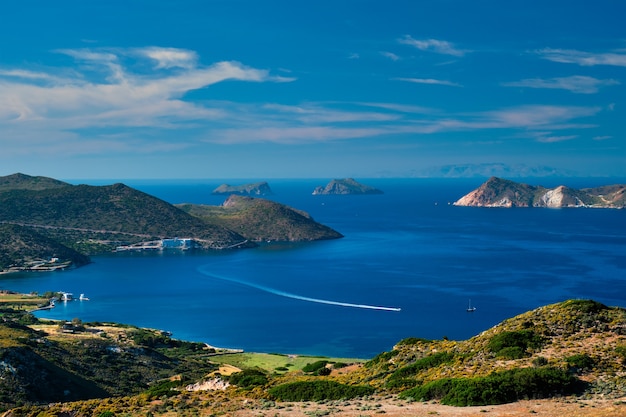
(406, 249)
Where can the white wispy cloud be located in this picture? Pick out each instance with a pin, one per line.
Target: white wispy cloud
(538, 117)
(554, 139)
(170, 57)
(294, 125)
(431, 81)
(583, 58)
(390, 55)
(576, 84)
(121, 98)
(108, 106)
(433, 45)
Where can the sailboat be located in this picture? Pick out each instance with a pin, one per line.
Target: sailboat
(470, 309)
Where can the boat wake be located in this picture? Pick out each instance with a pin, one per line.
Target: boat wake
(280, 293)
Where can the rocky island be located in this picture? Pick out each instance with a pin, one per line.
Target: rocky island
(498, 192)
(253, 189)
(345, 186)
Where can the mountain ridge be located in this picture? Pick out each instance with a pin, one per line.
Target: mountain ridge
(87, 220)
(498, 192)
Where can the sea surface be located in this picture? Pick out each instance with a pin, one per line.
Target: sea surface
(408, 266)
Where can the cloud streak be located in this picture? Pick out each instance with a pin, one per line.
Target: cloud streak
(430, 81)
(119, 98)
(583, 58)
(432, 45)
(110, 106)
(576, 84)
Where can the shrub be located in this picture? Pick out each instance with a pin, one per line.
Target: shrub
(621, 352)
(497, 388)
(318, 390)
(248, 378)
(381, 357)
(516, 343)
(586, 306)
(427, 362)
(402, 383)
(511, 352)
(412, 341)
(164, 388)
(314, 367)
(580, 362)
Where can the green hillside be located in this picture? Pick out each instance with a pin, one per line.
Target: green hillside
(53, 215)
(581, 342)
(92, 219)
(262, 220)
(576, 348)
(24, 247)
(20, 181)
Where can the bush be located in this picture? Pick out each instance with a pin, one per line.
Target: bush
(427, 362)
(164, 388)
(314, 367)
(413, 341)
(516, 343)
(511, 352)
(248, 378)
(381, 357)
(621, 352)
(580, 362)
(497, 388)
(318, 390)
(586, 306)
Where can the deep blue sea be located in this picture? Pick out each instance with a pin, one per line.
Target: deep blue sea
(406, 249)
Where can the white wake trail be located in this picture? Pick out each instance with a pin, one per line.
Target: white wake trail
(294, 296)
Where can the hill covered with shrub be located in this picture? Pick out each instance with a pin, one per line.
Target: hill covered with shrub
(575, 349)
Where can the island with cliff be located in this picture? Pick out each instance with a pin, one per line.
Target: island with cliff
(252, 189)
(498, 192)
(345, 186)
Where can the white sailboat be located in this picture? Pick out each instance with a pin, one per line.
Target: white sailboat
(470, 309)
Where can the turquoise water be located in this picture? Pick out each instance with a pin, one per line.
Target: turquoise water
(407, 249)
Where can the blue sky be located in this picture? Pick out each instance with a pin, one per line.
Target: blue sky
(321, 89)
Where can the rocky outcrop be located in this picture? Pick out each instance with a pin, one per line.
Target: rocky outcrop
(255, 189)
(345, 186)
(497, 192)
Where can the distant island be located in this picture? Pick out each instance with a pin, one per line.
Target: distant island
(254, 189)
(498, 192)
(345, 186)
(47, 224)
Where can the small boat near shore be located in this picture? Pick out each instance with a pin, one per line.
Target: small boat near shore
(83, 298)
(470, 309)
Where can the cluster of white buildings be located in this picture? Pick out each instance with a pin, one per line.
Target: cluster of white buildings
(168, 243)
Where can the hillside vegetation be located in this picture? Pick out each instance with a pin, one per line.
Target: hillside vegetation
(52, 219)
(580, 344)
(576, 348)
(262, 220)
(22, 246)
